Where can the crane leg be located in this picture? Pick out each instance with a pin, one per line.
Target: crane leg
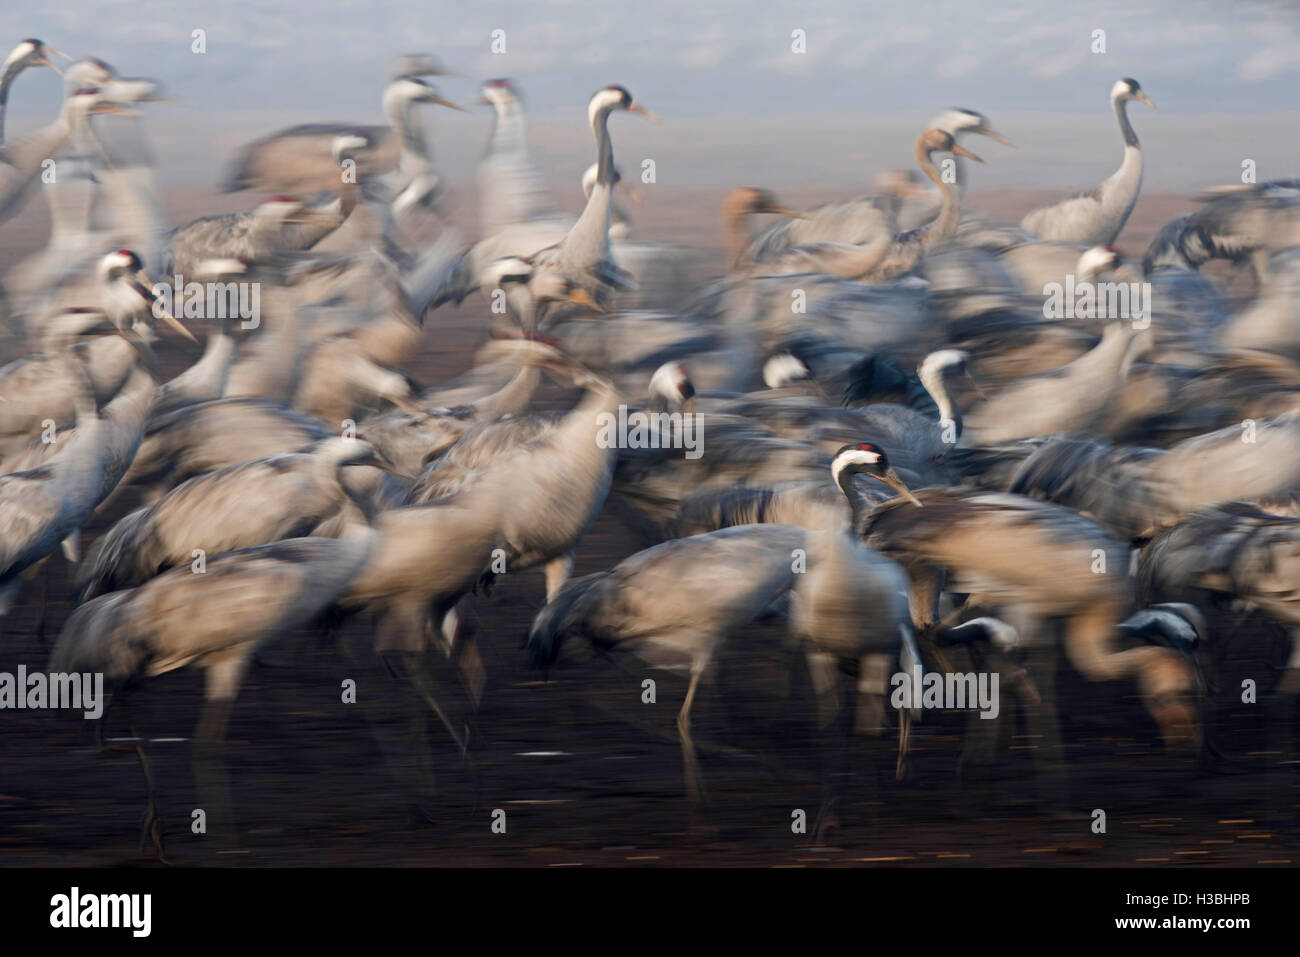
(1167, 682)
(975, 765)
(408, 758)
(1043, 720)
(44, 606)
(903, 766)
(836, 770)
(1280, 775)
(691, 766)
(211, 781)
(985, 739)
(402, 629)
(422, 680)
(151, 823)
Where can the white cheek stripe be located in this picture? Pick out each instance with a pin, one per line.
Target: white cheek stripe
(852, 457)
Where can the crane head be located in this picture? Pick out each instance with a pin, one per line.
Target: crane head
(91, 100)
(1095, 261)
(943, 362)
(782, 369)
(615, 97)
(32, 52)
(935, 140)
(499, 92)
(88, 72)
(123, 271)
(671, 384)
(412, 89)
(1129, 89)
(866, 458)
(957, 120)
(748, 200)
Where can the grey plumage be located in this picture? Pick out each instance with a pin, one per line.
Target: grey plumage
(295, 494)
(1096, 217)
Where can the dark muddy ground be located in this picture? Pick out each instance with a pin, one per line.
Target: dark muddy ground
(589, 776)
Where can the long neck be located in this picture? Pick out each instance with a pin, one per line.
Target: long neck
(124, 420)
(509, 129)
(595, 216)
(513, 397)
(1108, 356)
(398, 109)
(1131, 355)
(131, 195)
(948, 411)
(1120, 106)
(580, 432)
(945, 226)
(734, 225)
(959, 174)
(6, 80)
(79, 467)
(859, 511)
(109, 361)
(861, 260)
(207, 378)
(27, 154)
(1121, 190)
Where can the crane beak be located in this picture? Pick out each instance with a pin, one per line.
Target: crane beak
(439, 101)
(891, 479)
(638, 108)
(116, 109)
(583, 298)
(164, 315)
(57, 53)
(1143, 98)
(45, 61)
(993, 135)
(959, 150)
(175, 325)
(780, 210)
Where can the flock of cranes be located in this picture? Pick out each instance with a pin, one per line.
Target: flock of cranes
(913, 461)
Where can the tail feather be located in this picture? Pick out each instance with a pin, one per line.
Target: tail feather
(115, 561)
(716, 508)
(560, 619)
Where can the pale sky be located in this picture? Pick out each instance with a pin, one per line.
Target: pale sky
(739, 106)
